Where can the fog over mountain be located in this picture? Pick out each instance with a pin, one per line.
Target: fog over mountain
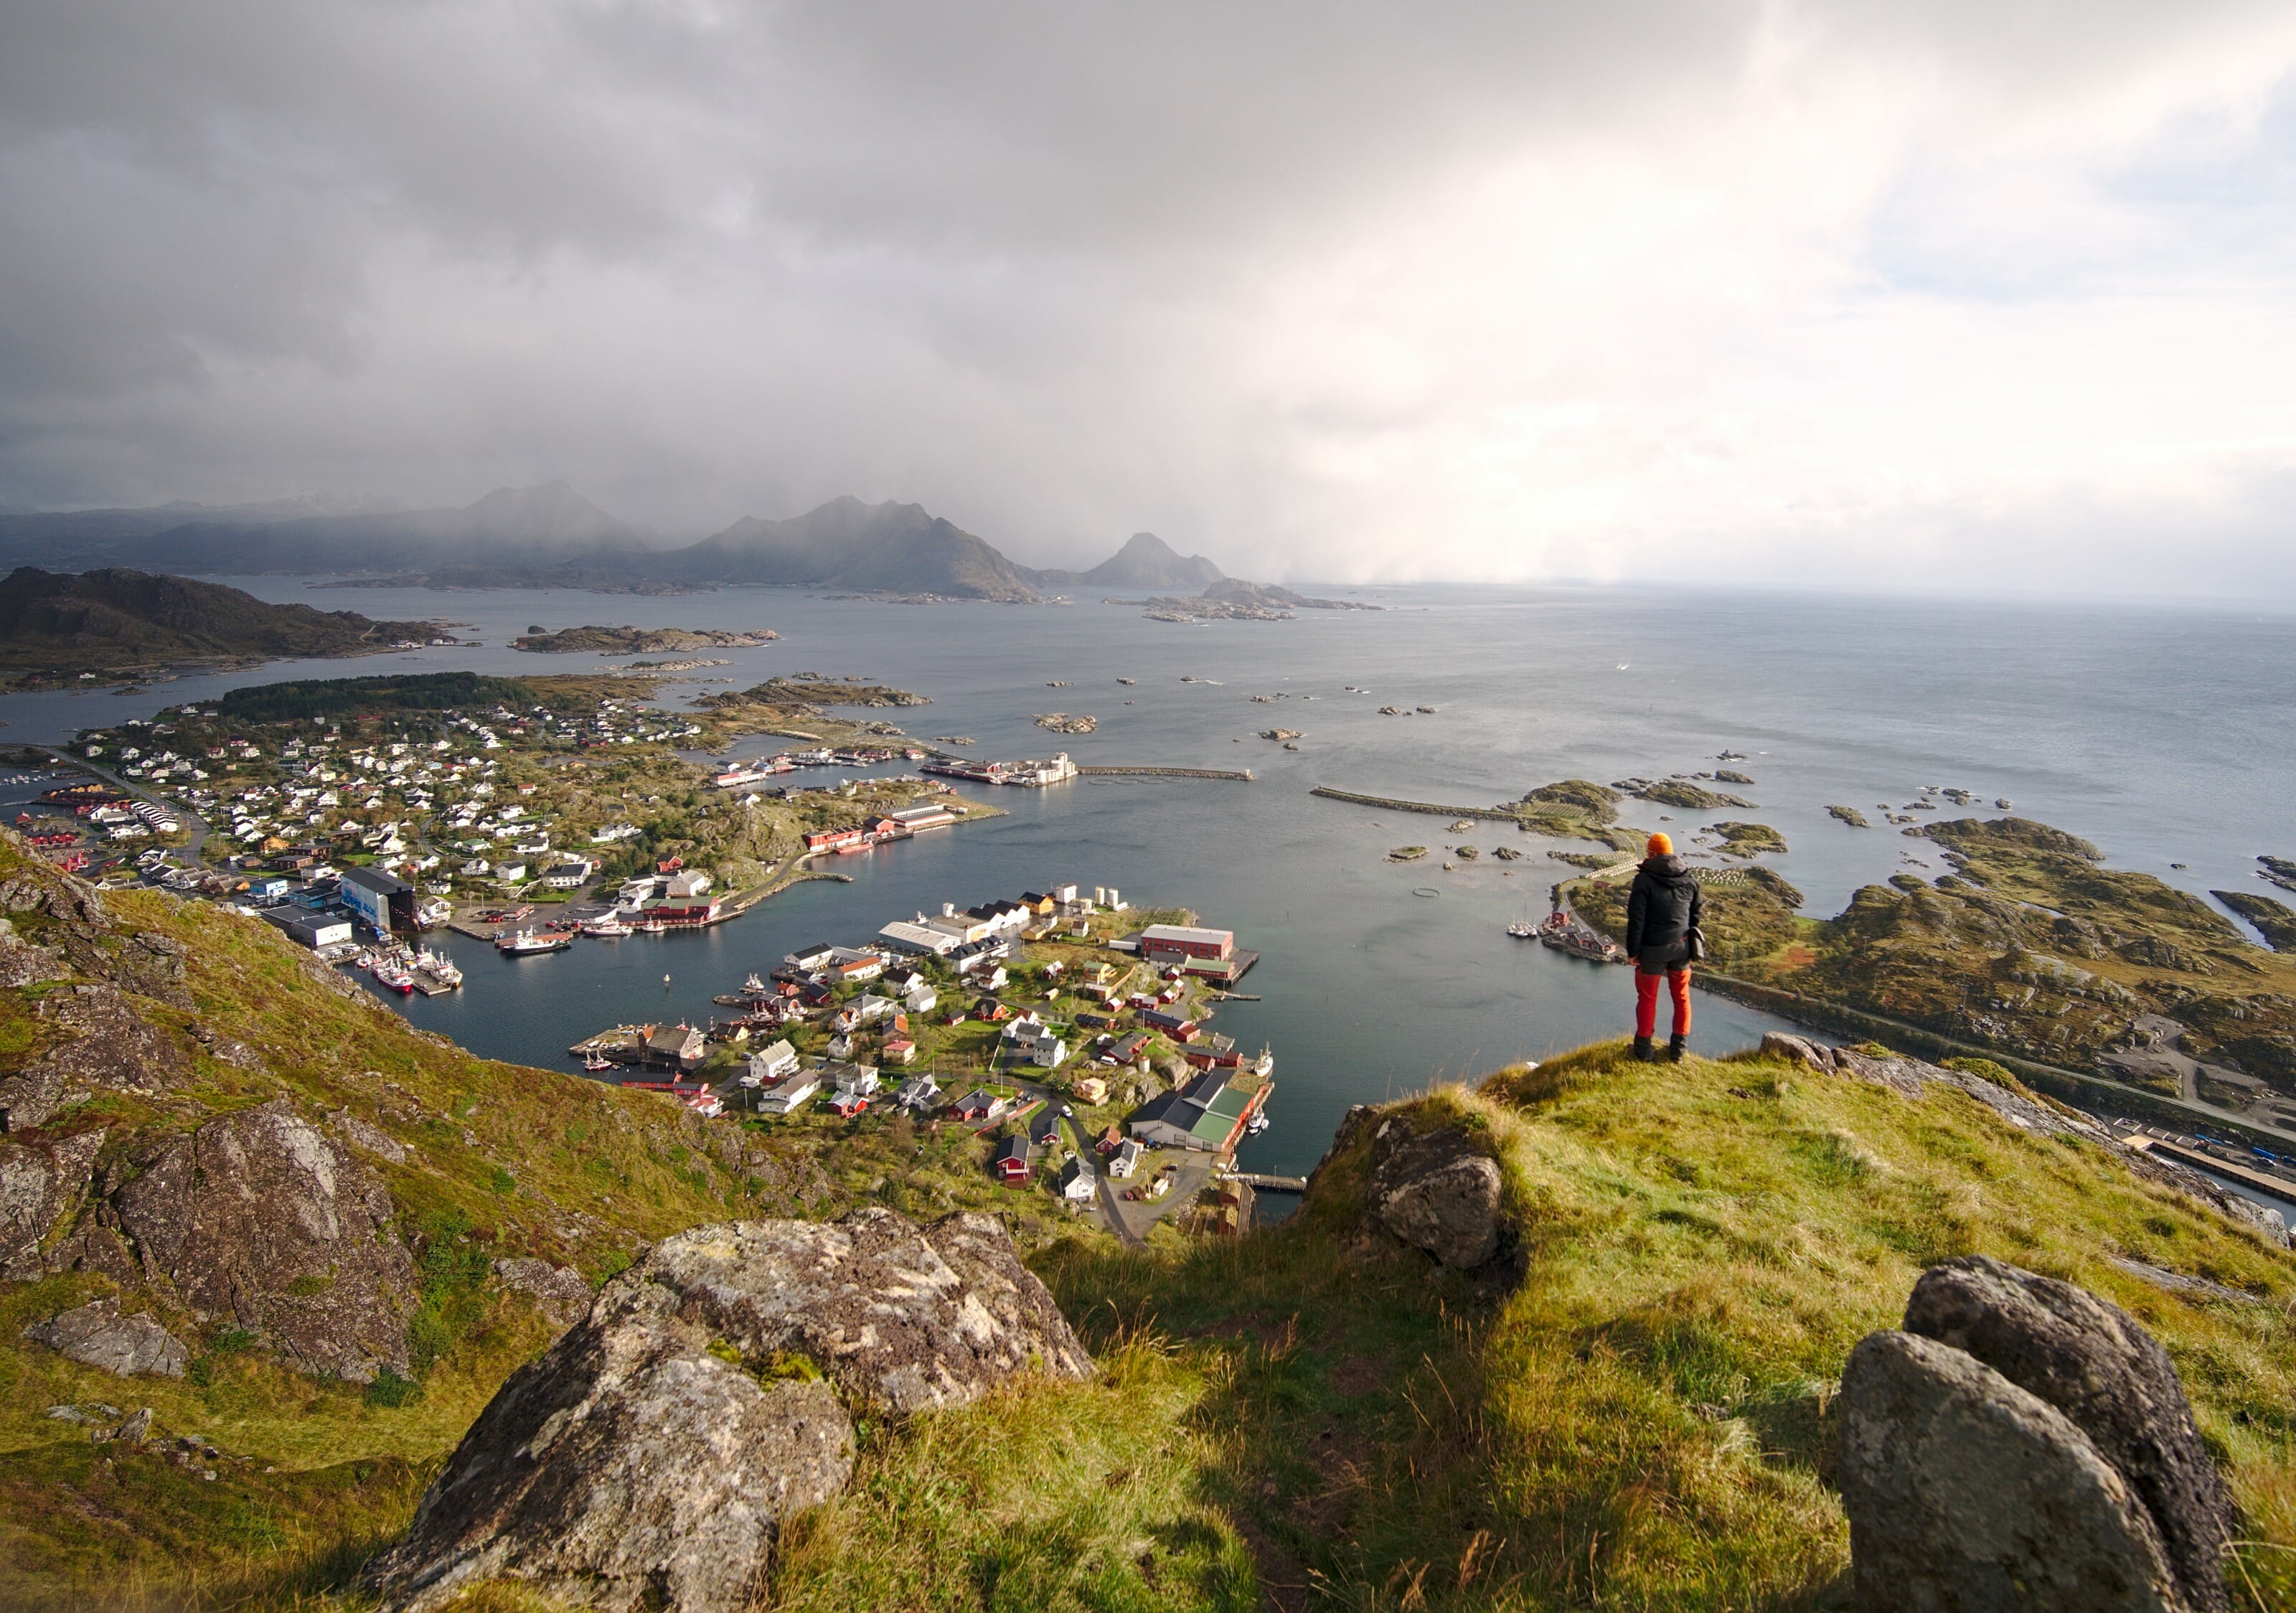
(1762, 291)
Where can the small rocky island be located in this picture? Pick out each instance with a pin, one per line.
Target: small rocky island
(636, 641)
(1061, 722)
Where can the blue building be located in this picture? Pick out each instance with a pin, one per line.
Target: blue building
(383, 902)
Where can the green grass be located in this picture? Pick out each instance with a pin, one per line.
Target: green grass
(1640, 1413)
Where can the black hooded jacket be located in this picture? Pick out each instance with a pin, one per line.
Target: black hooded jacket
(1661, 909)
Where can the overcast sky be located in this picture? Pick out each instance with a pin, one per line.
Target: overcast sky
(1988, 293)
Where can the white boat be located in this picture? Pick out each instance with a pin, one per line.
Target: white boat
(606, 929)
(438, 968)
(526, 942)
(1524, 929)
(756, 987)
(598, 1061)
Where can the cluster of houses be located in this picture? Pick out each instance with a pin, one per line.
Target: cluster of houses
(1209, 1112)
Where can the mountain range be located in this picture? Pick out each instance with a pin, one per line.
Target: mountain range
(550, 535)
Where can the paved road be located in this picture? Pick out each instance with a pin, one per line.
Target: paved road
(194, 826)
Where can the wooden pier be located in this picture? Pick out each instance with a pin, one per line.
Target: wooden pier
(1268, 1184)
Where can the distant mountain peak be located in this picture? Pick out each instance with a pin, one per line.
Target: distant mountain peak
(1147, 561)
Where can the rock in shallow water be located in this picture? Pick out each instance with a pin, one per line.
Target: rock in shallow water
(650, 1458)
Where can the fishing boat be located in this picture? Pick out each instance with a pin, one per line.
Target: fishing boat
(608, 928)
(598, 1061)
(526, 942)
(438, 969)
(755, 987)
(393, 977)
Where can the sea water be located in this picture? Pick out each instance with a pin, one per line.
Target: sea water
(2159, 735)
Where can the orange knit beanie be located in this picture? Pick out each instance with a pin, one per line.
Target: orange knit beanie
(1661, 844)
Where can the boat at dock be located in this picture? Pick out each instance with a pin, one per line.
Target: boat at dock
(608, 928)
(393, 977)
(435, 972)
(526, 942)
(596, 1061)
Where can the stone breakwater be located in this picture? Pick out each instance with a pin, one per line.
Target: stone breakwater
(1501, 814)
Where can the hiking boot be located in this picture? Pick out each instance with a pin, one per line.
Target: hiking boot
(1644, 1053)
(1674, 1048)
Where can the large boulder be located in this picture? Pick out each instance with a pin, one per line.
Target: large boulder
(262, 1218)
(1437, 1191)
(629, 1468)
(650, 1458)
(40, 1183)
(1966, 1494)
(2095, 1363)
(97, 1335)
(898, 1316)
(2025, 1444)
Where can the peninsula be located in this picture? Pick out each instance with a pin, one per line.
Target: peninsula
(114, 624)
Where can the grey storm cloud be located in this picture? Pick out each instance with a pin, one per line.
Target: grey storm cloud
(1371, 289)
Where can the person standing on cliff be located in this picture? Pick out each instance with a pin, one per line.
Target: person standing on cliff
(1663, 910)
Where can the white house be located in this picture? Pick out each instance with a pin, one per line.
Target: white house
(770, 1064)
(790, 1095)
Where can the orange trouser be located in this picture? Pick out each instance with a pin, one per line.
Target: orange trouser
(1677, 981)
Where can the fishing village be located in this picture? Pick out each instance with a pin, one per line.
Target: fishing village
(1055, 1043)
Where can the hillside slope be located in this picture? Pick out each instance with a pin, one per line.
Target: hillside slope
(1631, 1404)
(55, 625)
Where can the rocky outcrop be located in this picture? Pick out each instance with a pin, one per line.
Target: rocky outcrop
(40, 1183)
(2095, 1363)
(1436, 1190)
(103, 1043)
(2022, 1443)
(1966, 1492)
(263, 1218)
(558, 1291)
(650, 1458)
(97, 1335)
(897, 1315)
(66, 918)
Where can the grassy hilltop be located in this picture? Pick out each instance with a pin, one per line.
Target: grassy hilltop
(1636, 1411)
